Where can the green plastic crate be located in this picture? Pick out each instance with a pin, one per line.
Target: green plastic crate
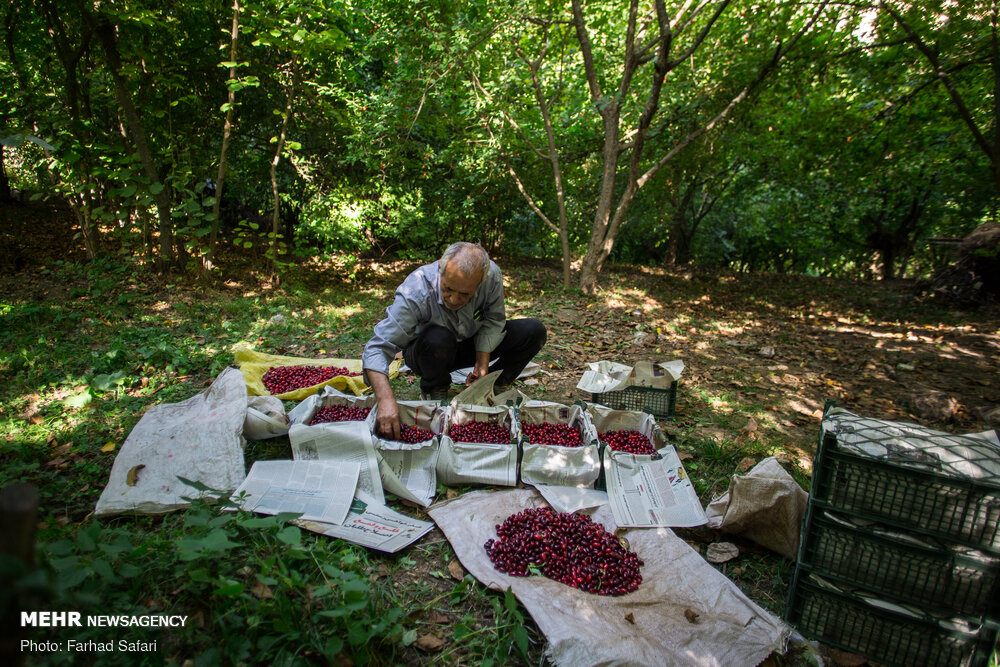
(657, 402)
(846, 621)
(957, 510)
(931, 574)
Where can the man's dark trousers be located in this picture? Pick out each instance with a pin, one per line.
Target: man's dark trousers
(434, 353)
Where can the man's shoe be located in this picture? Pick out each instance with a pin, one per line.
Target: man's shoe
(439, 394)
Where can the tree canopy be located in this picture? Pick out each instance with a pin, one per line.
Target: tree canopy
(813, 137)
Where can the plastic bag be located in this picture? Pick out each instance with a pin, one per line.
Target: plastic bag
(255, 364)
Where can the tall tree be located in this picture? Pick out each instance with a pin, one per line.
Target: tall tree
(664, 40)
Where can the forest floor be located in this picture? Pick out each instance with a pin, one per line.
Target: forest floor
(763, 355)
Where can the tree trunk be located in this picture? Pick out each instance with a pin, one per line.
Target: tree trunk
(161, 194)
(227, 129)
(276, 200)
(5, 195)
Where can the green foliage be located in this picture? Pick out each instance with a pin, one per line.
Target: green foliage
(250, 587)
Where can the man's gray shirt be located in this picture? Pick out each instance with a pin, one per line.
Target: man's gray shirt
(418, 304)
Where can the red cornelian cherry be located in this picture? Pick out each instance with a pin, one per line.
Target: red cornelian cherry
(282, 379)
(339, 413)
(545, 433)
(569, 548)
(413, 434)
(631, 441)
(479, 432)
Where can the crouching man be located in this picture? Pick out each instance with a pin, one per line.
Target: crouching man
(448, 315)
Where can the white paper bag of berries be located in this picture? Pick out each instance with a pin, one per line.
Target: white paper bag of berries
(628, 431)
(479, 445)
(331, 407)
(408, 466)
(559, 445)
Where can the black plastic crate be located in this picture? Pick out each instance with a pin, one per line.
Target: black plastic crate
(952, 509)
(845, 621)
(937, 576)
(657, 402)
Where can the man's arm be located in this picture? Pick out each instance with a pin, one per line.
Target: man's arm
(387, 422)
(481, 368)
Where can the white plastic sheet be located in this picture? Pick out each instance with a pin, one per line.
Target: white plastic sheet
(200, 439)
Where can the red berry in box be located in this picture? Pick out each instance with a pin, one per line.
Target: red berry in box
(631, 441)
(283, 379)
(413, 434)
(479, 432)
(569, 548)
(339, 413)
(552, 434)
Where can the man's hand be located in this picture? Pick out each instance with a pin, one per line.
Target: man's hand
(481, 368)
(387, 422)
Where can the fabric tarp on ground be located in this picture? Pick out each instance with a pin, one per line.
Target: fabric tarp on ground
(585, 629)
(200, 439)
(766, 505)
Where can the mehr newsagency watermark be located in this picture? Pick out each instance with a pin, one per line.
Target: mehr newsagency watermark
(74, 619)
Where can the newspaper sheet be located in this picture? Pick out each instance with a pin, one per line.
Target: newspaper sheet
(644, 492)
(408, 471)
(373, 525)
(571, 499)
(351, 442)
(318, 490)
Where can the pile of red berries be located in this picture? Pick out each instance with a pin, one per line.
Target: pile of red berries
(413, 434)
(479, 432)
(569, 548)
(282, 379)
(552, 434)
(339, 413)
(633, 442)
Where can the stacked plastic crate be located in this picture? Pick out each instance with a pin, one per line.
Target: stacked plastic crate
(899, 558)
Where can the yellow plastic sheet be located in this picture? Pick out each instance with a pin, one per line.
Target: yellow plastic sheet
(254, 364)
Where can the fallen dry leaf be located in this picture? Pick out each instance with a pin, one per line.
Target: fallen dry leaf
(261, 590)
(133, 475)
(109, 446)
(35, 419)
(630, 617)
(429, 643)
(746, 463)
(452, 493)
(456, 571)
(435, 616)
(721, 552)
(63, 449)
(691, 616)
(684, 455)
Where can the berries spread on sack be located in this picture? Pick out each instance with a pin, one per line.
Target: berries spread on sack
(568, 548)
(282, 379)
